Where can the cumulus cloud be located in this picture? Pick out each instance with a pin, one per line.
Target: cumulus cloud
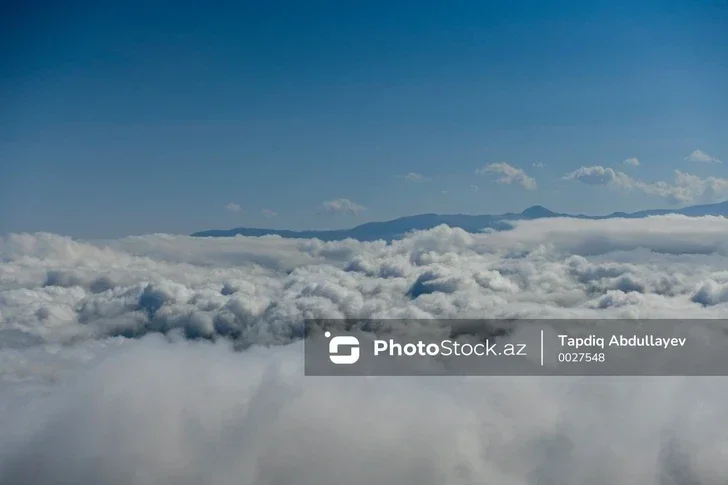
(118, 361)
(154, 412)
(415, 177)
(54, 288)
(701, 157)
(598, 175)
(685, 188)
(233, 207)
(342, 206)
(269, 213)
(632, 161)
(508, 175)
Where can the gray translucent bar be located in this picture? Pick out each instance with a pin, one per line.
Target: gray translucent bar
(516, 347)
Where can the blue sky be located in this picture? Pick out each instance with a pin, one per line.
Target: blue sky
(138, 117)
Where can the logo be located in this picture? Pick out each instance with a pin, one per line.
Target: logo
(343, 341)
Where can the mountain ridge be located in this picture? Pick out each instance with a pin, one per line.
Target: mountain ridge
(399, 227)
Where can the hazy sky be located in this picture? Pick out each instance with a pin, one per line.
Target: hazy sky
(136, 117)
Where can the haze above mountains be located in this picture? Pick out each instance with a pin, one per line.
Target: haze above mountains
(398, 228)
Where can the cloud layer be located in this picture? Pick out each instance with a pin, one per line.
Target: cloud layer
(92, 393)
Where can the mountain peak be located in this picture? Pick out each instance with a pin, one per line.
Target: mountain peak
(537, 211)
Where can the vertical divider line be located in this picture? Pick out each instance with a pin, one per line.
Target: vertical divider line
(541, 348)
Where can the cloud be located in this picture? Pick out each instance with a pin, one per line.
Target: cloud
(632, 161)
(701, 157)
(598, 175)
(538, 165)
(269, 213)
(508, 175)
(233, 207)
(92, 392)
(155, 412)
(53, 288)
(474, 187)
(685, 188)
(415, 177)
(342, 206)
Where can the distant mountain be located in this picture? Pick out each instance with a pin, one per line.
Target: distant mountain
(397, 228)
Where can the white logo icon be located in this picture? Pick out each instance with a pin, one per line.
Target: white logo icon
(343, 341)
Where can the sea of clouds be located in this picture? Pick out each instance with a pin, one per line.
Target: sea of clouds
(177, 360)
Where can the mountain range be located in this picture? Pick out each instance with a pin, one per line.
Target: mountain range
(397, 228)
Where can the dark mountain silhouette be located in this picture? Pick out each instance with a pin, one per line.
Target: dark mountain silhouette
(397, 228)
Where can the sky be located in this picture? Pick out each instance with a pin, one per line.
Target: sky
(121, 118)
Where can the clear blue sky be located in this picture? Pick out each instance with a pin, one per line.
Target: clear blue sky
(136, 117)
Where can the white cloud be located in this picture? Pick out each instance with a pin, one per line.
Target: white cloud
(415, 177)
(233, 207)
(54, 288)
(632, 161)
(474, 187)
(199, 413)
(685, 188)
(701, 157)
(269, 213)
(538, 165)
(342, 206)
(508, 175)
(598, 175)
(83, 405)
